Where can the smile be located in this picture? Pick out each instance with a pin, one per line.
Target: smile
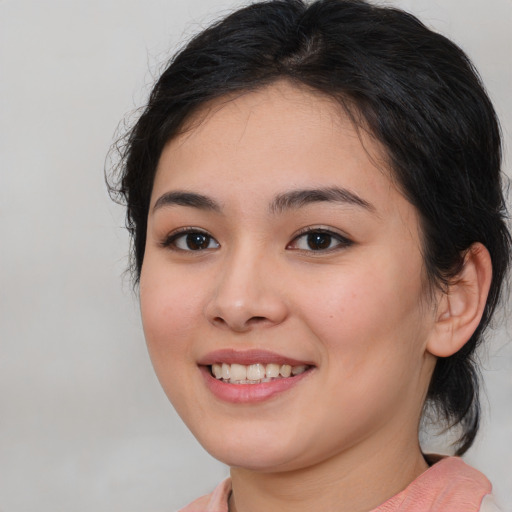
(257, 373)
(252, 376)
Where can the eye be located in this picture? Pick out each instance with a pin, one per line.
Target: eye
(191, 240)
(319, 240)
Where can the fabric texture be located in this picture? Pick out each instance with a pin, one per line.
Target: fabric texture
(449, 485)
(217, 501)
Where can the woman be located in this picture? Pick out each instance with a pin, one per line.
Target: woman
(315, 201)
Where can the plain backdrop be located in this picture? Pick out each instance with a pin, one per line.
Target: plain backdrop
(84, 424)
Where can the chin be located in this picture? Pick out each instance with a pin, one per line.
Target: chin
(254, 461)
(256, 453)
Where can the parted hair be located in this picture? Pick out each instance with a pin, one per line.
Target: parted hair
(411, 88)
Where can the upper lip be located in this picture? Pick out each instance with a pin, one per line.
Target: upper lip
(247, 357)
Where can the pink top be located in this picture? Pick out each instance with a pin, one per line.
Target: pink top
(447, 486)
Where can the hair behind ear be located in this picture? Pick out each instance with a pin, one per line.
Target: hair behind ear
(454, 395)
(454, 388)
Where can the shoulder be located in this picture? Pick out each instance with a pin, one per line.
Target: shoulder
(216, 501)
(449, 484)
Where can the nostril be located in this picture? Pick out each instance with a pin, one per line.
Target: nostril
(257, 319)
(241, 326)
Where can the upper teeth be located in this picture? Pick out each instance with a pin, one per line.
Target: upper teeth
(254, 373)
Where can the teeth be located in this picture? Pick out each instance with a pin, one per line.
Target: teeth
(296, 370)
(272, 370)
(255, 373)
(217, 370)
(285, 370)
(226, 368)
(238, 372)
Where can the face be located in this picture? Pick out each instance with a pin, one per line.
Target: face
(278, 243)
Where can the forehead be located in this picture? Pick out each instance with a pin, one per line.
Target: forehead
(286, 111)
(272, 139)
(280, 96)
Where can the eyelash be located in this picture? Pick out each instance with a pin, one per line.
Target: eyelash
(329, 236)
(171, 240)
(343, 242)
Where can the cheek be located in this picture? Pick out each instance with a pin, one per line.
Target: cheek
(372, 330)
(169, 310)
(367, 316)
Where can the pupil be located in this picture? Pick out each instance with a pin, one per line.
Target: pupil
(318, 241)
(197, 241)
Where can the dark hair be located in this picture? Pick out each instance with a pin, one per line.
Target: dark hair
(414, 90)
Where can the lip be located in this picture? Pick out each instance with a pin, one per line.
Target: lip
(249, 393)
(247, 357)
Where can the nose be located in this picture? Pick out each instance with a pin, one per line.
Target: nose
(248, 294)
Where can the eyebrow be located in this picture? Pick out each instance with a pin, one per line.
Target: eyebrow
(290, 200)
(297, 198)
(181, 198)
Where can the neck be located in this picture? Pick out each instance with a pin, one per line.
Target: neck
(356, 481)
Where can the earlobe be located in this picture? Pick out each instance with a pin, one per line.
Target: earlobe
(461, 307)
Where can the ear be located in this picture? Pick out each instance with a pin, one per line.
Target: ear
(461, 307)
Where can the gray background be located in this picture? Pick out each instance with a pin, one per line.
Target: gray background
(83, 423)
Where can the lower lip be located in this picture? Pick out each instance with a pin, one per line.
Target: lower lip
(249, 393)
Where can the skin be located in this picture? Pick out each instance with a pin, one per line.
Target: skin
(345, 436)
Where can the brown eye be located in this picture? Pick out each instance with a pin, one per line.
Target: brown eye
(197, 241)
(319, 240)
(192, 241)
